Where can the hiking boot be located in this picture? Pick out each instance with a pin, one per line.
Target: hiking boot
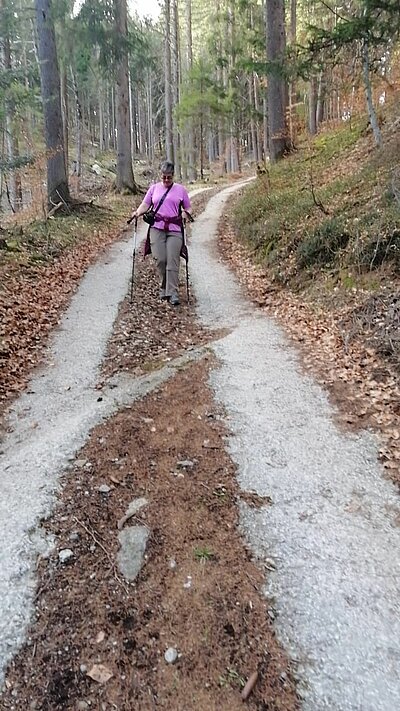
(174, 300)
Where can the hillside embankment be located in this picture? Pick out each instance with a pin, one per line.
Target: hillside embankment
(316, 239)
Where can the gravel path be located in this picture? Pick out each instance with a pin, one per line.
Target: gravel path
(51, 421)
(332, 533)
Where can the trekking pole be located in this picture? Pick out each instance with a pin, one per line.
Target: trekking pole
(134, 253)
(191, 219)
(185, 249)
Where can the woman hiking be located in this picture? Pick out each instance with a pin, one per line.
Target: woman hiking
(167, 200)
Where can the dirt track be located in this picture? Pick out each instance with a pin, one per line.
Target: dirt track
(87, 614)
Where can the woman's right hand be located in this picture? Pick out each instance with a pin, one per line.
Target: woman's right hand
(132, 218)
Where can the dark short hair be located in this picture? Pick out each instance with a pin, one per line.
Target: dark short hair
(167, 167)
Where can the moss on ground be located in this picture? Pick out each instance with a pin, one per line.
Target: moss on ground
(330, 208)
(41, 241)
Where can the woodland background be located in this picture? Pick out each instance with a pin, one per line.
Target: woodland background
(213, 86)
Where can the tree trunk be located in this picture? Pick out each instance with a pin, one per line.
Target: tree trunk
(101, 118)
(79, 128)
(57, 182)
(139, 127)
(113, 128)
(150, 122)
(169, 147)
(125, 179)
(201, 150)
(231, 152)
(253, 126)
(257, 110)
(292, 84)
(277, 91)
(320, 110)
(192, 171)
(222, 80)
(175, 70)
(254, 101)
(265, 128)
(64, 111)
(15, 189)
(312, 106)
(135, 122)
(131, 118)
(368, 93)
(28, 111)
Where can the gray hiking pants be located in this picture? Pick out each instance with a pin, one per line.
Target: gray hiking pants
(165, 248)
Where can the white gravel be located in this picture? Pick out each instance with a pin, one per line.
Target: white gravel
(51, 422)
(332, 529)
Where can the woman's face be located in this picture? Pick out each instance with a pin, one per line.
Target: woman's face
(167, 178)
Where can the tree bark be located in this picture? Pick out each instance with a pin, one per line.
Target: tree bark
(57, 181)
(265, 128)
(125, 179)
(192, 171)
(132, 122)
(292, 83)
(113, 127)
(169, 147)
(321, 92)
(150, 122)
(176, 79)
(277, 91)
(253, 102)
(368, 93)
(64, 112)
(11, 128)
(312, 106)
(79, 127)
(257, 110)
(102, 144)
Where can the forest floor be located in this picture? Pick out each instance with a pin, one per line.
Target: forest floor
(94, 645)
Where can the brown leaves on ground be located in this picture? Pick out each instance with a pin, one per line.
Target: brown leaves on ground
(148, 332)
(31, 300)
(100, 640)
(342, 346)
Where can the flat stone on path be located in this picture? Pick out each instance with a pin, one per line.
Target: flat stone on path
(130, 557)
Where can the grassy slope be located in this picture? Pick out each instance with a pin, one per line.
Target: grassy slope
(357, 243)
(325, 224)
(327, 266)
